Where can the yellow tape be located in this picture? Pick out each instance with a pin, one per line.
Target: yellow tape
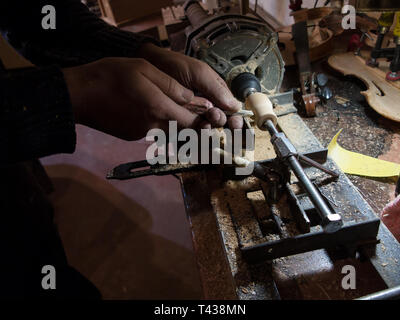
(359, 164)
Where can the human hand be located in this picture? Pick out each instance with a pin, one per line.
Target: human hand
(197, 76)
(391, 217)
(127, 97)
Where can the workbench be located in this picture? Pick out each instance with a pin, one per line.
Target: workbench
(311, 275)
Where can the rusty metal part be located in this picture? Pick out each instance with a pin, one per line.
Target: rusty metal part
(317, 165)
(139, 169)
(133, 170)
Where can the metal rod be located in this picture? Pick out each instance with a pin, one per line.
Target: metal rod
(388, 294)
(330, 222)
(315, 164)
(271, 128)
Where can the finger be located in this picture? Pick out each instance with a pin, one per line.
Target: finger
(199, 105)
(208, 82)
(235, 122)
(216, 117)
(164, 109)
(168, 85)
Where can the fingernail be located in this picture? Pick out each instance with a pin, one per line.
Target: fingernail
(188, 95)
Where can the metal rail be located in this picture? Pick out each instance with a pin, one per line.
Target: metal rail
(331, 222)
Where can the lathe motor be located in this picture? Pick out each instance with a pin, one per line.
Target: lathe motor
(235, 44)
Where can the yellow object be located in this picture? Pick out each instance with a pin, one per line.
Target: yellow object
(359, 164)
(386, 19)
(396, 31)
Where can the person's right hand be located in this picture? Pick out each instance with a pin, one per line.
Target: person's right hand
(127, 97)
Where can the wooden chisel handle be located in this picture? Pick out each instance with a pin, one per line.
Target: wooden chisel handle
(262, 108)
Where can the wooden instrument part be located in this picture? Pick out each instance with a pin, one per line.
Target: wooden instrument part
(381, 95)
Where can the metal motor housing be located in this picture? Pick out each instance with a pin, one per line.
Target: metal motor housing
(234, 44)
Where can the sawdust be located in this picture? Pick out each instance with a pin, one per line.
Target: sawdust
(259, 204)
(263, 149)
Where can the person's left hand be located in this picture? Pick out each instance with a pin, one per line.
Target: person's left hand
(197, 76)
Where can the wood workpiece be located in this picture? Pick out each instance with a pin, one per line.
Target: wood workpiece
(382, 96)
(262, 107)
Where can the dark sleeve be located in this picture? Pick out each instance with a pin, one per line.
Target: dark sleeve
(36, 117)
(79, 37)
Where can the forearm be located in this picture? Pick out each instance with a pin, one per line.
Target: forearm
(36, 118)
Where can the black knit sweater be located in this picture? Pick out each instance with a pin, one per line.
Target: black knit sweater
(36, 117)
